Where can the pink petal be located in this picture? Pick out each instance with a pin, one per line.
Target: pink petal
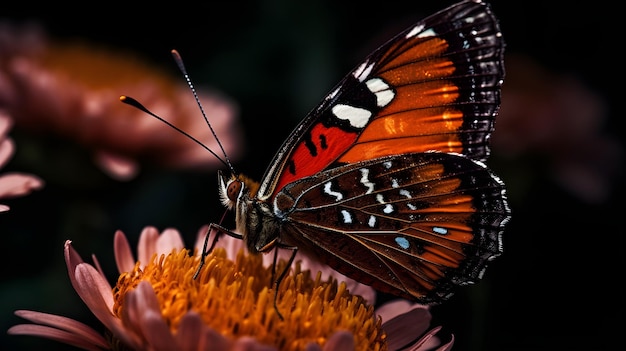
(117, 167)
(72, 326)
(403, 322)
(156, 331)
(130, 316)
(211, 340)
(168, 240)
(143, 315)
(189, 331)
(5, 124)
(248, 343)
(145, 298)
(95, 291)
(136, 302)
(6, 150)
(54, 334)
(18, 184)
(194, 335)
(72, 260)
(427, 341)
(4, 208)
(123, 254)
(147, 245)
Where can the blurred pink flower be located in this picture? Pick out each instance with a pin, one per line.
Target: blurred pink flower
(12, 184)
(72, 90)
(153, 308)
(560, 120)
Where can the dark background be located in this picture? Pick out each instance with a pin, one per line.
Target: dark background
(559, 283)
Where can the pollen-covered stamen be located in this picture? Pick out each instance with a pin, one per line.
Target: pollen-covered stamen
(235, 298)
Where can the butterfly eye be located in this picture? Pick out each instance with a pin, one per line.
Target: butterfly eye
(233, 190)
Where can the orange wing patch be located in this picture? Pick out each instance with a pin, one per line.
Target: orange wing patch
(409, 131)
(413, 51)
(421, 116)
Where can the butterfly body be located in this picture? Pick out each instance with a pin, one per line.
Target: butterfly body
(385, 180)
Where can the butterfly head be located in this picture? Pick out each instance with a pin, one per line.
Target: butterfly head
(238, 193)
(232, 187)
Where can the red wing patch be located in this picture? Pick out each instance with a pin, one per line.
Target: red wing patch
(315, 153)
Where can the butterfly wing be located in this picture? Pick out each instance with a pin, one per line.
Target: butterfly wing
(435, 86)
(413, 225)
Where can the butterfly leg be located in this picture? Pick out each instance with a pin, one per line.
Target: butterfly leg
(206, 252)
(294, 250)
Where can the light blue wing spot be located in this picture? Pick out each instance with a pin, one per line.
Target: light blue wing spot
(440, 230)
(402, 242)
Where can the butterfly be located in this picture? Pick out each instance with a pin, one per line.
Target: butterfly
(385, 180)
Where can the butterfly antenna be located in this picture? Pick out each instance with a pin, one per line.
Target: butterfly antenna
(132, 102)
(181, 66)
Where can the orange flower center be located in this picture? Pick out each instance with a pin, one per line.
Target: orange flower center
(235, 298)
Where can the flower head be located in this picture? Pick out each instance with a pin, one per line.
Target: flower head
(72, 90)
(158, 305)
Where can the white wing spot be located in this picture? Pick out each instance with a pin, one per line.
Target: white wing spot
(384, 93)
(358, 117)
(365, 180)
(371, 222)
(338, 196)
(363, 71)
(427, 33)
(387, 164)
(394, 183)
(347, 218)
(411, 206)
(415, 31)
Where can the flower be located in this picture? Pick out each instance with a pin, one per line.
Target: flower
(158, 305)
(398, 315)
(12, 184)
(71, 90)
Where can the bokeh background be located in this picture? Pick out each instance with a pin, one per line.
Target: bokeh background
(558, 146)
